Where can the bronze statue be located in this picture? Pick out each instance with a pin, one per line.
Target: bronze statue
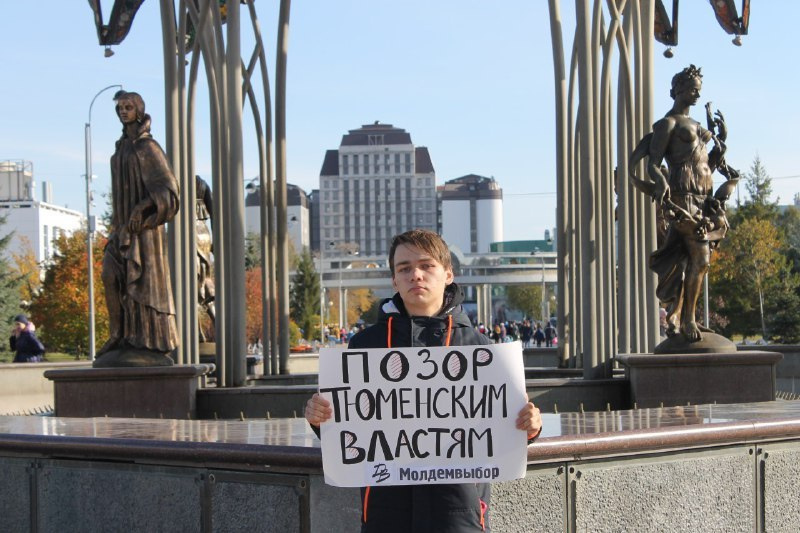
(692, 216)
(205, 249)
(136, 277)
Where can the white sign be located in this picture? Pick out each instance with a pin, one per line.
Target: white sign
(406, 416)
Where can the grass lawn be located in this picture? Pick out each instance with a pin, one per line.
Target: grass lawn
(50, 357)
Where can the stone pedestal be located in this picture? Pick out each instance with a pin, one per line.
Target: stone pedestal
(141, 392)
(701, 378)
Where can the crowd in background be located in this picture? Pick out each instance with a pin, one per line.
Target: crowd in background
(531, 334)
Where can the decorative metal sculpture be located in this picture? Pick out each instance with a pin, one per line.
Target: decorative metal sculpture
(136, 277)
(692, 215)
(205, 249)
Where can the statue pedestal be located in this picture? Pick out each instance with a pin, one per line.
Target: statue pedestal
(140, 392)
(700, 378)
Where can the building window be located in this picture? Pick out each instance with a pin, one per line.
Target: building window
(345, 167)
(376, 161)
(386, 163)
(355, 164)
(397, 163)
(408, 163)
(375, 140)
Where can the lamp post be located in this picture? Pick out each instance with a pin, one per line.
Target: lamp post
(90, 220)
(544, 293)
(343, 294)
(322, 290)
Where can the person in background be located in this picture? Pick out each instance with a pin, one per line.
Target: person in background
(526, 333)
(549, 334)
(496, 335)
(23, 340)
(538, 335)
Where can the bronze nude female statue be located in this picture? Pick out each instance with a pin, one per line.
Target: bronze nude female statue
(136, 277)
(694, 216)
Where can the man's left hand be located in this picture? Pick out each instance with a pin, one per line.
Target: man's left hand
(529, 419)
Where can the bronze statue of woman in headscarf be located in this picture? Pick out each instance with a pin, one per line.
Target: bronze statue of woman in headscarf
(136, 277)
(694, 216)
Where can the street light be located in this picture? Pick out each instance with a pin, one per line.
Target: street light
(343, 295)
(90, 221)
(322, 290)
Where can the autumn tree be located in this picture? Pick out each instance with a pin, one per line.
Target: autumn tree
(61, 309)
(359, 302)
(27, 270)
(304, 296)
(253, 315)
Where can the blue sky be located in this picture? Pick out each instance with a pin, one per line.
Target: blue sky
(471, 80)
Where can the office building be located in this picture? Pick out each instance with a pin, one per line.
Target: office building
(375, 185)
(34, 223)
(471, 210)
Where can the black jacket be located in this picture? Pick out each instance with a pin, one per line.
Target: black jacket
(452, 508)
(29, 349)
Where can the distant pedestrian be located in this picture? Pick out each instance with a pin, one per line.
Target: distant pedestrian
(23, 340)
(526, 333)
(538, 335)
(549, 334)
(497, 335)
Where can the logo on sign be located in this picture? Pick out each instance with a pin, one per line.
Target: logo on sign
(381, 473)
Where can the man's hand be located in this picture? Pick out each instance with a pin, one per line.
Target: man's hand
(529, 419)
(318, 410)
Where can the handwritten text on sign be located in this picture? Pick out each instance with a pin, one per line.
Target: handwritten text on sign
(423, 415)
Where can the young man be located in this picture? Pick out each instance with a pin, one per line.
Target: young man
(425, 311)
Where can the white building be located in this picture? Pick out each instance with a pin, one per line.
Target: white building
(297, 213)
(471, 213)
(376, 185)
(36, 222)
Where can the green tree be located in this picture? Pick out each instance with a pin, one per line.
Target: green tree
(759, 189)
(751, 275)
(252, 252)
(526, 298)
(10, 280)
(304, 296)
(789, 224)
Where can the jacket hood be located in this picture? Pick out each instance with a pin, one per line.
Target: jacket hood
(453, 298)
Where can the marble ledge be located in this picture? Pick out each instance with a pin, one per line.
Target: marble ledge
(289, 444)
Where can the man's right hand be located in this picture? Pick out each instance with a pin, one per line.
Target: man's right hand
(318, 410)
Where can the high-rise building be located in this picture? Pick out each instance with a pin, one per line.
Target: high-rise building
(297, 214)
(471, 213)
(36, 224)
(376, 185)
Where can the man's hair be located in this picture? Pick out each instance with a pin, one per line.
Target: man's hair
(427, 241)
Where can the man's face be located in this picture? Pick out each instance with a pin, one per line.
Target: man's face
(420, 280)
